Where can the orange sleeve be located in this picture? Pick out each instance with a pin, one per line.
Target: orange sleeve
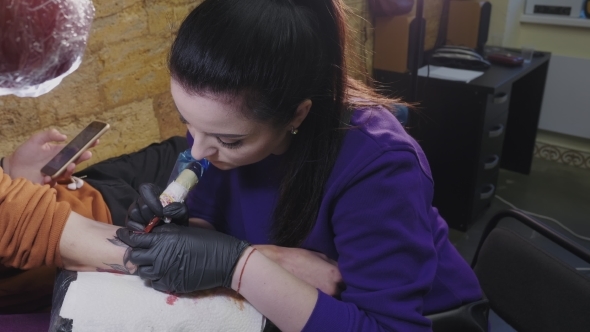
(86, 201)
(31, 223)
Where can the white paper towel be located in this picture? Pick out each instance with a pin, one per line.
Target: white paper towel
(99, 301)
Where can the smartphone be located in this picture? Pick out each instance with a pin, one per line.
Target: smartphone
(72, 151)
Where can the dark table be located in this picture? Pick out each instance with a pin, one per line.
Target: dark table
(469, 130)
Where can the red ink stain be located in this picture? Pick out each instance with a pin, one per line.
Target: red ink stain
(171, 299)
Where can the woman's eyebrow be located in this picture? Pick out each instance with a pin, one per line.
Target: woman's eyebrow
(226, 135)
(182, 119)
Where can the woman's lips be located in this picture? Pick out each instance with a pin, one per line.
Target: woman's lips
(221, 165)
(216, 163)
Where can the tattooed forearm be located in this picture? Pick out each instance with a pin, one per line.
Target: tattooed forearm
(127, 267)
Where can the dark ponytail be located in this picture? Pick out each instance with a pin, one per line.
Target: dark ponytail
(274, 54)
(313, 153)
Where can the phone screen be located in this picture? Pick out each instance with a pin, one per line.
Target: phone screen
(70, 151)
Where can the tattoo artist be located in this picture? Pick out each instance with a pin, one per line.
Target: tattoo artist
(304, 161)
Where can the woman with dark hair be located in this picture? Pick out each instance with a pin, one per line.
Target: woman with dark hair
(308, 165)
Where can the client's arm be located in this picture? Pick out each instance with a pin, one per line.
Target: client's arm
(87, 245)
(36, 229)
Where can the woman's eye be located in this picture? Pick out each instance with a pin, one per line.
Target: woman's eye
(232, 145)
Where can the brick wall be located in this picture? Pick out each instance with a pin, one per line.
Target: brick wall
(123, 80)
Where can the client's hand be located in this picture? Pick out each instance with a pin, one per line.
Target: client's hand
(148, 205)
(28, 159)
(184, 259)
(312, 267)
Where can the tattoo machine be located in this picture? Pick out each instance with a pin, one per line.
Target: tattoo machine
(186, 174)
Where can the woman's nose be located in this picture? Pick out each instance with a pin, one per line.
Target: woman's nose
(201, 149)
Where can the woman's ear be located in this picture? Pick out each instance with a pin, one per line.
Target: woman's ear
(300, 114)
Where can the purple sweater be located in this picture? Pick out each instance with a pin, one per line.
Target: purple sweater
(376, 219)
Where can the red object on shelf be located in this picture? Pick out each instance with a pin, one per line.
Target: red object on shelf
(505, 59)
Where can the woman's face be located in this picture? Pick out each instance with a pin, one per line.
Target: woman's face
(222, 134)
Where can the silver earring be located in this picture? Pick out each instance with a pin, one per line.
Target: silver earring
(294, 131)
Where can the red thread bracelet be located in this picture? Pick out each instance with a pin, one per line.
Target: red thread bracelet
(243, 268)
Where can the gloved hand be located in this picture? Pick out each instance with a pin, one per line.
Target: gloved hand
(148, 205)
(184, 259)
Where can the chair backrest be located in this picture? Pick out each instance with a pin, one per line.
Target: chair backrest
(528, 287)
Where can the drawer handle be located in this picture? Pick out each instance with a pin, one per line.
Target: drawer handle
(496, 131)
(491, 162)
(500, 98)
(487, 191)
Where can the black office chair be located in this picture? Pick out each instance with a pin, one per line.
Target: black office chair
(528, 287)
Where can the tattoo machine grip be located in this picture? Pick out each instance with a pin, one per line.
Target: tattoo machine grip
(178, 189)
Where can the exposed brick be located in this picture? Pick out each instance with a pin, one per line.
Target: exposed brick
(166, 19)
(134, 70)
(168, 119)
(128, 24)
(109, 7)
(122, 79)
(133, 127)
(77, 97)
(19, 116)
(171, 2)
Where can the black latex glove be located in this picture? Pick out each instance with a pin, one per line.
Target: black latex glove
(184, 259)
(148, 205)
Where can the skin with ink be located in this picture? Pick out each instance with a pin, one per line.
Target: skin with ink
(127, 267)
(116, 241)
